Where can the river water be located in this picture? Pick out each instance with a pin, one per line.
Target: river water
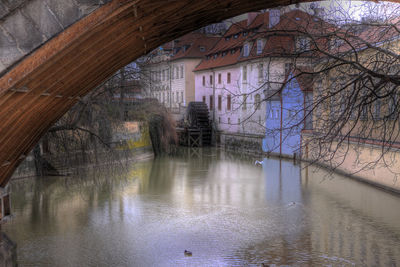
(224, 208)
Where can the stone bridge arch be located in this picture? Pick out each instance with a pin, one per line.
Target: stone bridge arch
(53, 52)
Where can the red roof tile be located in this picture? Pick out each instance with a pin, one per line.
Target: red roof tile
(220, 61)
(189, 45)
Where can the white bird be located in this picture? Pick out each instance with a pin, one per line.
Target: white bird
(258, 162)
(291, 204)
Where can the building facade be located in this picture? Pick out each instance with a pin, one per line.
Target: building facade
(243, 75)
(169, 69)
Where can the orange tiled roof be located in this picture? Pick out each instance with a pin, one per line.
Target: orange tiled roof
(280, 40)
(190, 45)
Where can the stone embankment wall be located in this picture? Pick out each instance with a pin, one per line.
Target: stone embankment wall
(242, 143)
(364, 162)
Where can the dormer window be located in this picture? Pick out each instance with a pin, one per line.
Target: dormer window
(245, 33)
(337, 42)
(297, 18)
(233, 51)
(227, 38)
(303, 44)
(202, 49)
(224, 53)
(260, 46)
(215, 56)
(246, 50)
(236, 36)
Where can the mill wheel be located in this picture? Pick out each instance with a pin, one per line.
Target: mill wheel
(198, 117)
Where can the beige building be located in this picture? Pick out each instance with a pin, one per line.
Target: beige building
(356, 115)
(170, 70)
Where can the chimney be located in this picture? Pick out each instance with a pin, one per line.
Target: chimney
(250, 17)
(274, 17)
(319, 12)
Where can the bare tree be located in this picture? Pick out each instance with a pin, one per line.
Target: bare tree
(348, 67)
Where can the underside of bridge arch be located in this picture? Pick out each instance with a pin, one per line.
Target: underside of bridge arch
(38, 90)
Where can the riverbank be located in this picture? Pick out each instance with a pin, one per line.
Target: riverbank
(382, 175)
(27, 167)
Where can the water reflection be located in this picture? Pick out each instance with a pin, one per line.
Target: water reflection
(222, 207)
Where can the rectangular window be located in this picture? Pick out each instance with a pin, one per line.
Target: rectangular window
(257, 101)
(246, 51)
(228, 78)
(211, 102)
(259, 46)
(228, 102)
(181, 97)
(303, 44)
(204, 80)
(364, 112)
(392, 104)
(219, 102)
(261, 72)
(173, 96)
(244, 104)
(177, 97)
(219, 78)
(181, 71)
(288, 68)
(377, 109)
(244, 73)
(204, 99)
(211, 82)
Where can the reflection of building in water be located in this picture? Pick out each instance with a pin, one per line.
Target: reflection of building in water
(352, 220)
(282, 182)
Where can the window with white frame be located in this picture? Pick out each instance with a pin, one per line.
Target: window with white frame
(246, 50)
(260, 72)
(260, 47)
(303, 44)
(257, 102)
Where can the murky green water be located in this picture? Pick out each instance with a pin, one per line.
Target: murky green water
(225, 209)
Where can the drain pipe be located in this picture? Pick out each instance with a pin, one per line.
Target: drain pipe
(213, 137)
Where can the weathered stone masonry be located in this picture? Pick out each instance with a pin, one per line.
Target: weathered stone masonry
(26, 24)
